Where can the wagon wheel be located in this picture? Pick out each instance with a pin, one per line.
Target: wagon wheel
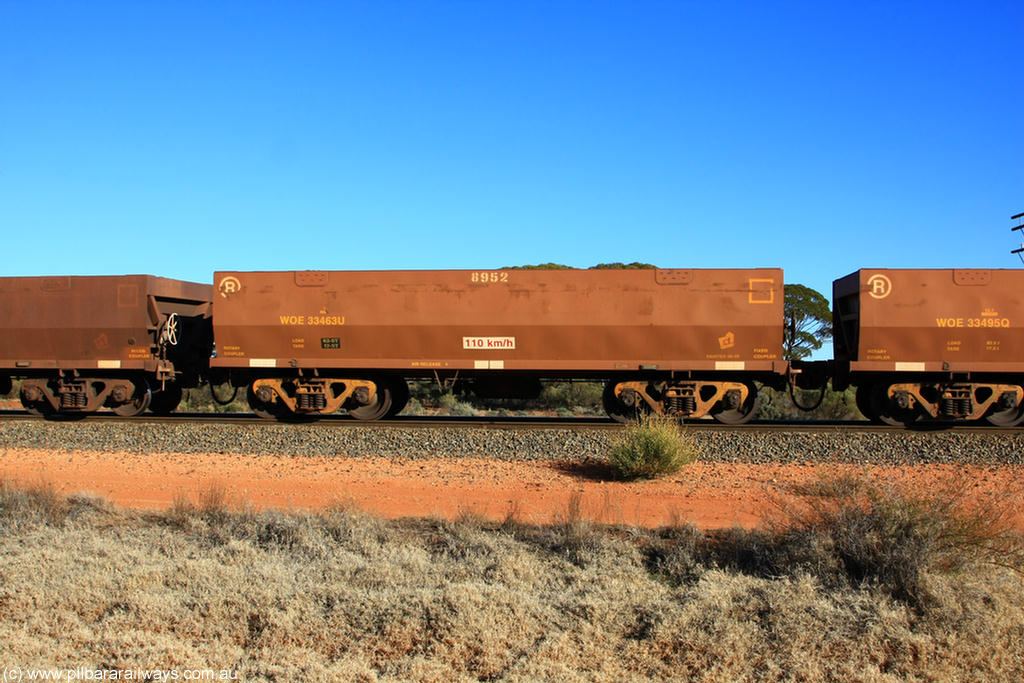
(1008, 417)
(265, 410)
(40, 407)
(862, 397)
(166, 401)
(740, 414)
(619, 411)
(139, 401)
(378, 407)
(886, 411)
(399, 397)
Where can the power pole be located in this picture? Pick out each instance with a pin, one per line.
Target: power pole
(1020, 226)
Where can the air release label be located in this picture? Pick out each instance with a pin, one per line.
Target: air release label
(485, 343)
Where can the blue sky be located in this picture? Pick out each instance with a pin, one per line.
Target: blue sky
(182, 137)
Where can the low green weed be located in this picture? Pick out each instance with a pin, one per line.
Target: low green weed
(652, 448)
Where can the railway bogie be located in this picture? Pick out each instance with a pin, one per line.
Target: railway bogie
(359, 397)
(906, 400)
(127, 396)
(729, 402)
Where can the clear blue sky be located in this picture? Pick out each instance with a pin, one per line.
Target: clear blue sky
(182, 137)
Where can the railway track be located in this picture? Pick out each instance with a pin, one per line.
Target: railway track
(512, 422)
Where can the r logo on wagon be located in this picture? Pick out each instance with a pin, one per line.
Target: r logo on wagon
(879, 286)
(229, 285)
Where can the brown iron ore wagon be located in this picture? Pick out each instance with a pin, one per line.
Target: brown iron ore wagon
(943, 344)
(125, 342)
(675, 341)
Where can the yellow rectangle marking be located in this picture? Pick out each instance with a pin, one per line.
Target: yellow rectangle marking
(762, 290)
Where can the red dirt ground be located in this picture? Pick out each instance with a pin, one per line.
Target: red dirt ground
(708, 494)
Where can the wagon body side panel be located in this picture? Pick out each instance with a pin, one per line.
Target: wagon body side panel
(540, 321)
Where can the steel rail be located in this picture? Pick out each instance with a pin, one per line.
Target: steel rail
(513, 422)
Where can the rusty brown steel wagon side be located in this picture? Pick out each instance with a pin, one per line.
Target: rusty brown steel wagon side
(942, 343)
(678, 341)
(82, 342)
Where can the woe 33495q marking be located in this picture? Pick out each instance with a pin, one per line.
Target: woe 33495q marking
(917, 344)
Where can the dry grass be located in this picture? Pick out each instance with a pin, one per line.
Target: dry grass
(897, 540)
(29, 505)
(341, 595)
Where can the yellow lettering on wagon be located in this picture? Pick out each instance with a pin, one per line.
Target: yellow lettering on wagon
(488, 277)
(315, 320)
(325, 320)
(988, 322)
(988, 319)
(877, 354)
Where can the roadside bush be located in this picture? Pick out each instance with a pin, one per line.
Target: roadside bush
(569, 398)
(895, 539)
(565, 399)
(835, 405)
(851, 533)
(449, 404)
(199, 400)
(651, 448)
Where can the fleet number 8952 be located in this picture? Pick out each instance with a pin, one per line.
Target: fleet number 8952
(488, 276)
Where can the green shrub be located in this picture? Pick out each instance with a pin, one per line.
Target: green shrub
(653, 447)
(449, 404)
(570, 398)
(199, 400)
(835, 405)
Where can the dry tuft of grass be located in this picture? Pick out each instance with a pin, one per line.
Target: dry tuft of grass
(653, 447)
(35, 503)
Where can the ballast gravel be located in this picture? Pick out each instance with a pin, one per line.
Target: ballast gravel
(550, 443)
